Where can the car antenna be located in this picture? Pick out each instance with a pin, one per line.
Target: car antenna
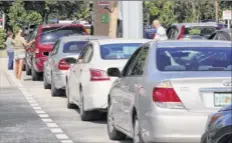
(106, 7)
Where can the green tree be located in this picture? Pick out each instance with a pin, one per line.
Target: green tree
(162, 10)
(19, 17)
(17, 14)
(33, 17)
(2, 38)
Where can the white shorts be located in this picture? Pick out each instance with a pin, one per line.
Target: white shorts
(19, 55)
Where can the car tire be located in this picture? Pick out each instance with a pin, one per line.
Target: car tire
(69, 104)
(46, 85)
(113, 133)
(54, 90)
(28, 70)
(137, 137)
(24, 66)
(34, 74)
(85, 115)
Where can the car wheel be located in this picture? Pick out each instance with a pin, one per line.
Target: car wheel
(113, 133)
(24, 66)
(28, 70)
(85, 115)
(34, 74)
(137, 137)
(69, 104)
(45, 83)
(54, 90)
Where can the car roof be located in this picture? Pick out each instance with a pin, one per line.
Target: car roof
(121, 40)
(60, 25)
(191, 43)
(195, 24)
(83, 38)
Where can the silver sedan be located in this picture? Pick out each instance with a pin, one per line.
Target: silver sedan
(167, 89)
(64, 53)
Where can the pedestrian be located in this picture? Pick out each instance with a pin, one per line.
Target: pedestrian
(20, 47)
(160, 31)
(10, 50)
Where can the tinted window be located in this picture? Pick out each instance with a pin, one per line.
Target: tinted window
(74, 46)
(194, 59)
(204, 31)
(88, 54)
(140, 62)
(118, 51)
(51, 37)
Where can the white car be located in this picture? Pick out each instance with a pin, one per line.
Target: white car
(88, 84)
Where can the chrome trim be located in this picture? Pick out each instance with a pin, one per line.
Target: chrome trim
(216, 89)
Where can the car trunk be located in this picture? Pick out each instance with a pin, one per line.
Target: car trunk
(109, 64)
(202, 93)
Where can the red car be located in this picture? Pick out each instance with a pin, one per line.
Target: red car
(46, 36)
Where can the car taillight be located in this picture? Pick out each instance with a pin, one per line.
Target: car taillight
(98, 75)
(165, 96)
(63, 65)
(181, 33)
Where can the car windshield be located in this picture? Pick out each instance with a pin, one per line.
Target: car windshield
(51, 37)
(74, 46)
(118, 51)
(198, 30)
(194, 59)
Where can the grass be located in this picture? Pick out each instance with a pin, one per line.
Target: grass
(3, 53)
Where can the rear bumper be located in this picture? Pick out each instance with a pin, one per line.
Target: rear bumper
(38, 63)
(176, 127)
(59, 80)
(96, 95)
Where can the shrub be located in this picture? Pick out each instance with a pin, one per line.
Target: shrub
(2, 38)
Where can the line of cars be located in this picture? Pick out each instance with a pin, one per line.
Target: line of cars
(152, 91)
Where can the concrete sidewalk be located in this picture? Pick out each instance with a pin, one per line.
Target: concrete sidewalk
(5, 81)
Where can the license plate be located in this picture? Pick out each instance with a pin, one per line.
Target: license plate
(222, 99)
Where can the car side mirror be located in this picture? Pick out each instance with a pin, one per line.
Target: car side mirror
(79, 60)
(114, 72)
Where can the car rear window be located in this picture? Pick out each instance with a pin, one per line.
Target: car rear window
(194, 59)
(118, 51)
(74, 46)
(54, 35)
(198, 30)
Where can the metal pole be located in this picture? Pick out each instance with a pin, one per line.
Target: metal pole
(216, 9)
(4, 20)
(132, 15)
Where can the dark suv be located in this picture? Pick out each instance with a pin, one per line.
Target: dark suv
(46, 36)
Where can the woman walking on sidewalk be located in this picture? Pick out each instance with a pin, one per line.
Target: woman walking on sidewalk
(10, 50)
(20, 46)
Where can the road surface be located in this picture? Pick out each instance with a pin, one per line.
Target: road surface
(28, 114)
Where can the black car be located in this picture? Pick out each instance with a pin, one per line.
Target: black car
(219, 127)
(221, 35)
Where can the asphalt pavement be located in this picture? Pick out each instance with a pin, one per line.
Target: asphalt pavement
(29, 114)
